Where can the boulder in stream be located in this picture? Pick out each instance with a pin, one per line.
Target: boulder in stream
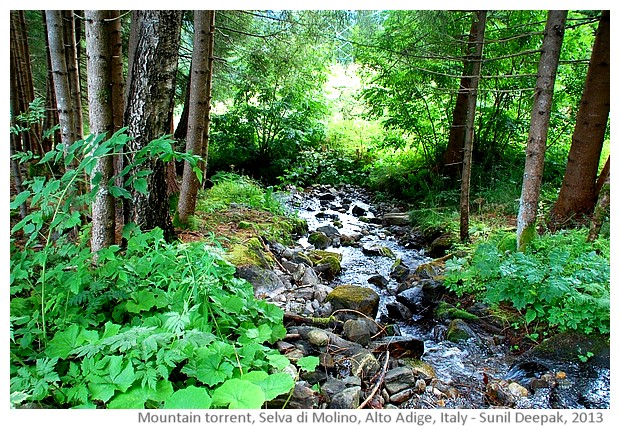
(357, 298)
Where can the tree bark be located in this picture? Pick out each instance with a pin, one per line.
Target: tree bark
(539, 126)
(480, 22)
(51, 112)
(71, 53)
(99, 66)
(153, 63)
(64, 105)
(453, 154)
(198, 100)
(207, 128)
(601, 210)
(578, 193)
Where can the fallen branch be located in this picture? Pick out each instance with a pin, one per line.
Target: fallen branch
(379, 383)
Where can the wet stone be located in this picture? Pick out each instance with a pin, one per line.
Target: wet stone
(378, 280)
(398, 379)
(399, 347)
(349, 398)
(398, 311)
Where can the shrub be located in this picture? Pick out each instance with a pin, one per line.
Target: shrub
(561, 279)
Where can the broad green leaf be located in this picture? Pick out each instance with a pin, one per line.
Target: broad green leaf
(20, 199)
(191, 397)
(308, 363)
(133, 398)
(276, 384)
(213, 370)
(64, 342)
(141, 185)
(530, 315)
(278, 361)
(238, 394)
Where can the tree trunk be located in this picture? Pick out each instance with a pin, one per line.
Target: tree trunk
(21, 74)
(602, 177)
(99, 66)
(205, 143)
(153, 62)
(578, 192)
(480, 22)
(62, 88)
(539, 126)
(71, 54)
(601, 210)
(14, 143)
(51, 112)
(197, 112)
(453, 156)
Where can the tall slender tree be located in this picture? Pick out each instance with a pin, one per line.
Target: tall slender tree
(153, 54)
(207, 126)
(453, 155)
(101, 121)
(476, 63)
(539, 126)
(578, 193)
(198, 100)
(62, 84)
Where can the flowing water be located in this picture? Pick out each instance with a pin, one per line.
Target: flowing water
(465, 367)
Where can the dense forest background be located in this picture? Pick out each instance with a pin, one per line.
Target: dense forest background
(490, 126)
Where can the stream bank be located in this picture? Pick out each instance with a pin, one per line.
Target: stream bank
(362, 293)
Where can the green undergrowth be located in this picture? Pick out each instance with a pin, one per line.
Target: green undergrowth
(150, 325)
(560, 281)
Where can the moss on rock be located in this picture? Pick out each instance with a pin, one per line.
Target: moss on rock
(358, 298)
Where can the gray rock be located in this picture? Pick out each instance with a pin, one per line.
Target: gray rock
(318, 337)
(399, 271)
(412, 298)
(303, 397)
(264, 281)
(349, 398)
(359, 330)
(333, 386)
(358, 211)
(378, 280)
(399, 347)
(400, 219)
(329, 231)
(399, 379)
(309, 277)
(398, 311)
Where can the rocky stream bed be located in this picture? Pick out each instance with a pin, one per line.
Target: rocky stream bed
(363, 292)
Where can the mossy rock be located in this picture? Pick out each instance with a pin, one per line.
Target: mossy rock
(445, 311)
(459, 331)
(331, 259)
(245, 225)
(441, 245)
(250, 252)
(431, 270)
(349, 297)
(420, 368)
(319, 240)
(573, 347)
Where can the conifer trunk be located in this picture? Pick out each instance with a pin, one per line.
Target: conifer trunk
(539, 127)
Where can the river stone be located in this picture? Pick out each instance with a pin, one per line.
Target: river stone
(318, 337)
(309, 277)
(359, 330)
(372, 250)
(378, 280)
(358, 298)
(430, 270)
(445, 312)
(319, 240)
(364, 364)
(412, 298)
(332, 386)
(459, 330)
(402, 396)
(303, 397)
(329, 231)
(358, 211)
(421, 369)
(349, 398)
(441, 245)
(399, 347)
(399, 271)
(327, 196)
(398, 379)
(400, 219)
(264, 281)
(398, 311)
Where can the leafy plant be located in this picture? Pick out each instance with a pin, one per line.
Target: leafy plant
(562, 280)
(153, 324)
